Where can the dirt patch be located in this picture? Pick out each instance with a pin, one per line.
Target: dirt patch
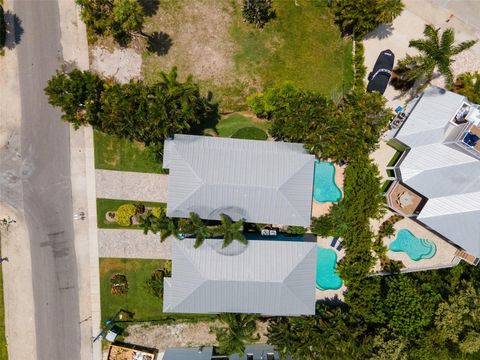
(200, 41)
(121, 64)
(177, 335)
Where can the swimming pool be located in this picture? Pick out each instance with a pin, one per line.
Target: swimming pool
(324, 187)
(414, 247)
(327, 277)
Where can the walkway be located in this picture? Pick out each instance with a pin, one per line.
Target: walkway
(131, 185)
(128, 243)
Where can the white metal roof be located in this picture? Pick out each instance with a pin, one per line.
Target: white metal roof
(266, 277)
(259, 181)
(446, 176)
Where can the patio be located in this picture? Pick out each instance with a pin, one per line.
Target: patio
(403, 200)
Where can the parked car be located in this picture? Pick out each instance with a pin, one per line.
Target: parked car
(382, 71)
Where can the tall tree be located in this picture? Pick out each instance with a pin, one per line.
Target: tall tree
(229, 230)
(436, 53)
(197, 227)
(358, 17)
(238, 333)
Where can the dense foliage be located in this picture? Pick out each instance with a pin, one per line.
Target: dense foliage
(238, 332)
(146, 113)
(3, 28)
(338, 131)
(436, 54)
(358, 17)
(257, 12)
(119, 18)
(468, 85)
(419, 316)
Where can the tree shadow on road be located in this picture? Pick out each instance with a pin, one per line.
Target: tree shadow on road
(14, 30)
(159, 43)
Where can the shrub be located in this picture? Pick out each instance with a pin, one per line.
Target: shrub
(168, 267)
(257, 12)
(125, 213)
(296, 230)
(158, 212)
(250, 132)
(154, 284)
(3, 28)
(139, 208)
(119, 284)
(359, 66)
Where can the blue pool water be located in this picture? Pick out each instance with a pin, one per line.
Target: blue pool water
(324, 187)
(327, 277)
(414, 247)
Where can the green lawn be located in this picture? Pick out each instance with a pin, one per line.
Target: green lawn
(113, 153)
(104, 205)
(3, 340)
(252, 133)
(233, 123)
(138, 300)
(302, 45)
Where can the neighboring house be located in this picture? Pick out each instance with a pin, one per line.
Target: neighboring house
(437, 179)
(120, 351)
(259, 181)
(265, 277)
(252, 352)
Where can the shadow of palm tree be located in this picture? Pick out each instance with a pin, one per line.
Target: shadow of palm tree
(381, 32)
(159, 43)
(14, 30)
(150, 7)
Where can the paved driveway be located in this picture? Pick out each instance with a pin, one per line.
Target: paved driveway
(127, 185)
(128, 243)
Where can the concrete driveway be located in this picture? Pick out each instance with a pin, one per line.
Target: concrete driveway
(410, 25)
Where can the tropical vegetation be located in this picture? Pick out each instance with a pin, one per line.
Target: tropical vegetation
(237, 332)
(421, 316)
(468, 85)
(135, 111)
(342, 130)
(358, 17)
(436, 54)
(3, 28)
(120, 19)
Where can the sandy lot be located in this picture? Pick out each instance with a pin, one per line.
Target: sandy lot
(123, 64)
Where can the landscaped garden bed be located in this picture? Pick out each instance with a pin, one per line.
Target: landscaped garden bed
(124, 214)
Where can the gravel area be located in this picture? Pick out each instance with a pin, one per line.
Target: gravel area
(121, 64)
(119, 243)
(131, 185)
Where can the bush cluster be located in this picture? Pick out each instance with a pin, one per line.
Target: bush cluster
(125, 213)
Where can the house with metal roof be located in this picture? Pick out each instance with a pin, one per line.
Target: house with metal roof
(259, 181)
(252, 352)
(265, 277)
(437, 179)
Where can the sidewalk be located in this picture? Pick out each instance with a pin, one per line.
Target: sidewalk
(131, 185)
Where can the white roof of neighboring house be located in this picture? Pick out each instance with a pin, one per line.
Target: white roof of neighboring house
(264, 277)
(260, 181)
(448, 177)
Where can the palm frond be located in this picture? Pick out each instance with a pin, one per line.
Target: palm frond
(457, 49)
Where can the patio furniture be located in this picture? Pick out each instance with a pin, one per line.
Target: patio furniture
(334, 242)
(340, 247)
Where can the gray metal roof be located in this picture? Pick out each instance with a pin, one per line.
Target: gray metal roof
(259, 181)
(258, 351)
(428, 122)
(265, 277)
(446, 176)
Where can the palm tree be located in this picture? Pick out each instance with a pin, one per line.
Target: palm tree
(197, 227)
(238, 333)
(166, 226)
(229, 230)
(436, 53)
(389, 230)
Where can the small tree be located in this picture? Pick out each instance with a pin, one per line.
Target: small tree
(229, 230)
(238, 333)
(468, 85)
(154, 284)
(197, 227)
(436, 53)
(257, 12)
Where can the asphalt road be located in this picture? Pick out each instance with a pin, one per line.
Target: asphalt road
(47, 191)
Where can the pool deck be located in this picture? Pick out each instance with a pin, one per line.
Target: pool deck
(444, 257)
(319, 209)
(382, 157)
(330, 294)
